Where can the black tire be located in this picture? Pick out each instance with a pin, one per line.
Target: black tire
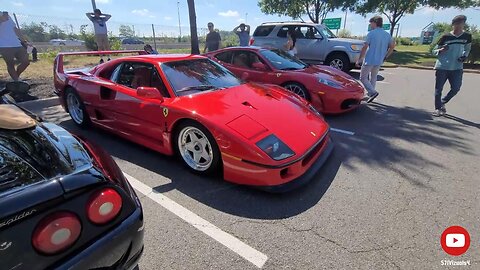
(85, 118)
(216, 163)
(339, 61)
(300, 89)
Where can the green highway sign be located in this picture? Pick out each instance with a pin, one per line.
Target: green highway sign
(333, 23)
(386, 27)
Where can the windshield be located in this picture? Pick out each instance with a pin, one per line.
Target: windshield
(282, 60)
(327, 33)
(189, 77)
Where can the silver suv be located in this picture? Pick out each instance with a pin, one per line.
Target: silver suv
(316, 44)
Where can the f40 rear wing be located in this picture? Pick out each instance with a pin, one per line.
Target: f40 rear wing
(59, 66)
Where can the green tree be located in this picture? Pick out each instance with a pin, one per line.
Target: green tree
(394, 10)
(35, 31)
(316, 10)
(126, 31)
(55, 32)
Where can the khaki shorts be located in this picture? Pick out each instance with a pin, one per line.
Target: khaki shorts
(10, 54)
(102, 42)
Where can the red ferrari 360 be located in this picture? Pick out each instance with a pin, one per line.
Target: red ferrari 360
(331, 91)
(257, 135)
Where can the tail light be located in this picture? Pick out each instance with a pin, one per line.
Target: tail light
(103, 206)
(252, 40)
(56, 233)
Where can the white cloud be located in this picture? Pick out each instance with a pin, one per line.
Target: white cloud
(241, 20)
(428, 11)
(167, 18)
(103, 1)
(18, 4)
(229, 13)
(143, 13)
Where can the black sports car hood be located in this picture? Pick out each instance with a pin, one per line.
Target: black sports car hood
(42, 152)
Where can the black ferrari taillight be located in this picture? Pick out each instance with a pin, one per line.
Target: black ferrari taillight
(56, 232)
(103, 206)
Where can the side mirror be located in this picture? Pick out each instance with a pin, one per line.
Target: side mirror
(17, 87)
(259, 66)
(149, 92)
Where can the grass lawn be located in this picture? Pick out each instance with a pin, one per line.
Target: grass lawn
(412, 55)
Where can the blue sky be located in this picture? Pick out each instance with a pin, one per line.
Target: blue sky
(226, 14)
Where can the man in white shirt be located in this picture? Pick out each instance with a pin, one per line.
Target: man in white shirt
(11, 48)
(99, 21)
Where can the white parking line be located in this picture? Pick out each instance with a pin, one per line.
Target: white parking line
(382, 82)
(247, 252)
(342, 131)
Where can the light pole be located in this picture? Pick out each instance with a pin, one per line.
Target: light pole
(246, 16)
(179, 24)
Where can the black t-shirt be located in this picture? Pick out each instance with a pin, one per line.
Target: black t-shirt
(213, 41)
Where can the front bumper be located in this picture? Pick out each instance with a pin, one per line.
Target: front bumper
(338, 101)
(121, 248)
(278, 178)
(305, 178)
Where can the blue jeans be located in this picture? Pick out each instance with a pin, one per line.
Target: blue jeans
(454, 77)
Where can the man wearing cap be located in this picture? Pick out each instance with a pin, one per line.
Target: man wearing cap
(452, 50)
(378, 47)
(243, 34)
(99, 21)
(11, 48)
(213, 40)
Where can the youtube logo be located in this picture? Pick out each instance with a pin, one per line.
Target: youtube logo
(455, 240)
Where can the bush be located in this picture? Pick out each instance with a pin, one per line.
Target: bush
(344, 33)
(404, 41)
(115, 44)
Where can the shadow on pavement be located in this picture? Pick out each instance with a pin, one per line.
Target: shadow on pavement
(381, 133)
(387, 137)
(213, 191)
(463, 121)
(356, 74)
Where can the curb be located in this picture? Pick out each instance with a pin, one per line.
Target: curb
(429, 68)
(46, 102)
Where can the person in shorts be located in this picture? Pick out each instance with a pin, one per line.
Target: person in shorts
(99, 21)
(378, 47)
(11, 47)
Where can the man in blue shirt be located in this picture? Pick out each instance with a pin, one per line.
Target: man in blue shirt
(378, 47)
(243, 34)
(452, 49)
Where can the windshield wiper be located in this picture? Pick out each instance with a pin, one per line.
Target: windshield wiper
(198, 87)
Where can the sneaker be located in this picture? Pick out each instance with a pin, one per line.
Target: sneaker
(372, 97)
(443, 110)
(437, 113)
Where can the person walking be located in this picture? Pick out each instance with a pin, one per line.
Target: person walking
(11, 47)
(377, 48)
(291, 42)
(99, 21)
(452, 50)
(213, 41)
(243, 34)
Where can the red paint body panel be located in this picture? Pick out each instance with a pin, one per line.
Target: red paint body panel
(238, 117)
(326, 99)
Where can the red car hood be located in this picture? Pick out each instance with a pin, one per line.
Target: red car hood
(255, 111)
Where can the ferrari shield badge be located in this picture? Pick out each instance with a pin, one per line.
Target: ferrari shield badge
(165, 112)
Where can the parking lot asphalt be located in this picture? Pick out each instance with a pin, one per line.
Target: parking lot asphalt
(396, 180)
